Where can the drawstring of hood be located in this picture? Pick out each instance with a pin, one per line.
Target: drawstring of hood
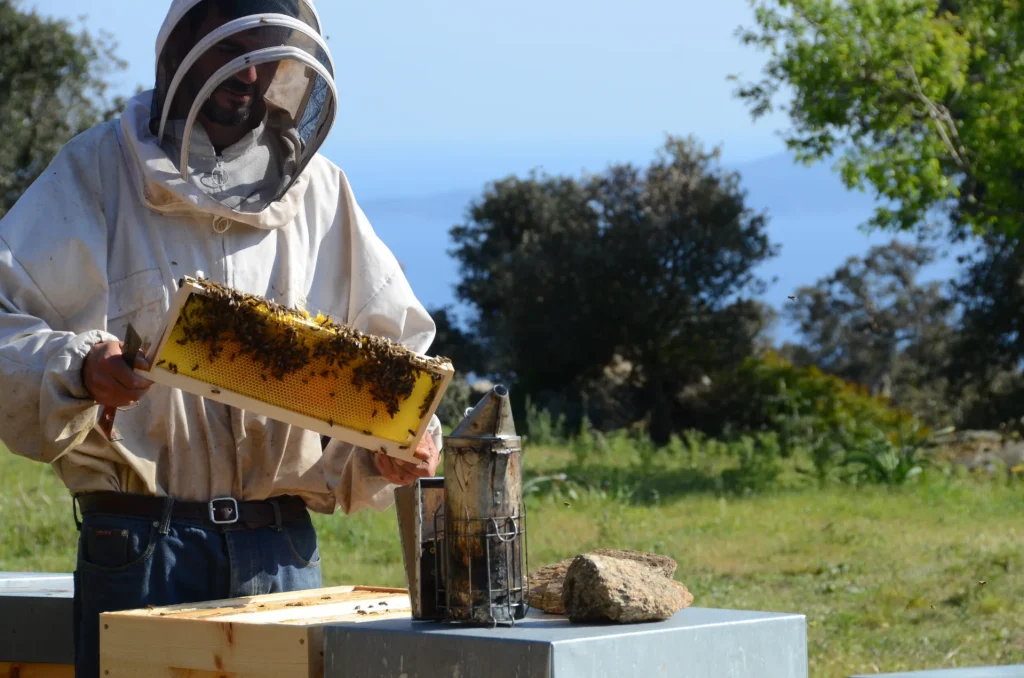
(159, 184)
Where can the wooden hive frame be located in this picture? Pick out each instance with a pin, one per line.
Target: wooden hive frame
(272, 636)
(433, 378)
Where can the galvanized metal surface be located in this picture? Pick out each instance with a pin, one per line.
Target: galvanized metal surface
(1015, 671)
(36, 613)
(695, 643)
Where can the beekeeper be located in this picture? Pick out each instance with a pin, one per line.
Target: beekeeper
(215, 172)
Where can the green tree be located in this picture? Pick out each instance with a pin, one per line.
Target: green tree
(873, 323)
(456, 343)
(985, 367)
(459, 346)
(52, 87)
(648, 268)
(920, 100)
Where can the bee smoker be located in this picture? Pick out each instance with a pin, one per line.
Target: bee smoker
(464, 536)
(420, 508)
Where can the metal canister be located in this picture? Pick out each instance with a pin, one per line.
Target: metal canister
(420, 508)
(485, 529)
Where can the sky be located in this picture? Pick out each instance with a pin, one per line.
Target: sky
(438, 99)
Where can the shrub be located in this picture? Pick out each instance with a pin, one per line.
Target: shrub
(889, 459)
(759, 465)
(810, 411)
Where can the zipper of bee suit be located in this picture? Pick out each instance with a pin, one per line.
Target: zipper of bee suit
(221, 226)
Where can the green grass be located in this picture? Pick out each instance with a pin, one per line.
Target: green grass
(890, 579)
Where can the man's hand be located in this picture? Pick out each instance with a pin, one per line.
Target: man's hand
(108, 378)
(402, 472)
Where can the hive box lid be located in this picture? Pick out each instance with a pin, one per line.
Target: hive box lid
(276, 635)
(711, 643)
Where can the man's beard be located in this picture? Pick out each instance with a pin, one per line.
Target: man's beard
(230, 116)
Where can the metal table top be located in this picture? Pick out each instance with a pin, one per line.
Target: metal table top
(696, 642)
(36, 618)
(1015, 671)
(36, 584)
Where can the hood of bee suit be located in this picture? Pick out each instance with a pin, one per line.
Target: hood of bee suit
(243, 100)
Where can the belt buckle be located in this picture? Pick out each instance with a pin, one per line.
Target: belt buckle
(234, 511)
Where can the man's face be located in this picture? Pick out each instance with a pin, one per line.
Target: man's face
(235, 101)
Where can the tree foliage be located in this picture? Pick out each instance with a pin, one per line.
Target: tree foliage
(873, 323)
(648, 273)
(52, 87)
(920, 99)
(455, 343)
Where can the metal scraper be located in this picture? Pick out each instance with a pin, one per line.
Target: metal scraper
(132, 347)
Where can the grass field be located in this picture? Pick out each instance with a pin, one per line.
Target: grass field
(927, 576)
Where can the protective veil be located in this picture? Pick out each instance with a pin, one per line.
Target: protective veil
(130, 206)
(258, 63)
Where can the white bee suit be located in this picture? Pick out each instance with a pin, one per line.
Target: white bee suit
(100, 240)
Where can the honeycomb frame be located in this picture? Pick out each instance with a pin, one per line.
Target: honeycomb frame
(393, 432)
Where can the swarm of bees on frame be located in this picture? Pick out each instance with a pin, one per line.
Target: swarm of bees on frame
(233, 323)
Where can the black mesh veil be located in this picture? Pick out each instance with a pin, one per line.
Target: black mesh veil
(289, 90)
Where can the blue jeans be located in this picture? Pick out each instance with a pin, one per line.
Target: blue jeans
(129, 563)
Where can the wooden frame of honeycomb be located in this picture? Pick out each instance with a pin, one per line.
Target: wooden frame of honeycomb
(247, 352)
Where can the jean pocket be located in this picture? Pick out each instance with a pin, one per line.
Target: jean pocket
(302, 541)
(109, 544)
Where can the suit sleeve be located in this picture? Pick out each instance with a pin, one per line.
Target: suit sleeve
(52, 308)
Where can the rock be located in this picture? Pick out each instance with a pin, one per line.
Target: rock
(546, 587)
(546, 582)
(663, 564)
(601, 588)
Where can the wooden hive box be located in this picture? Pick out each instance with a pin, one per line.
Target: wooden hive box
(272, 636)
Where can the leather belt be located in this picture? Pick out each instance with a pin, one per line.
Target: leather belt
(222, 511)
